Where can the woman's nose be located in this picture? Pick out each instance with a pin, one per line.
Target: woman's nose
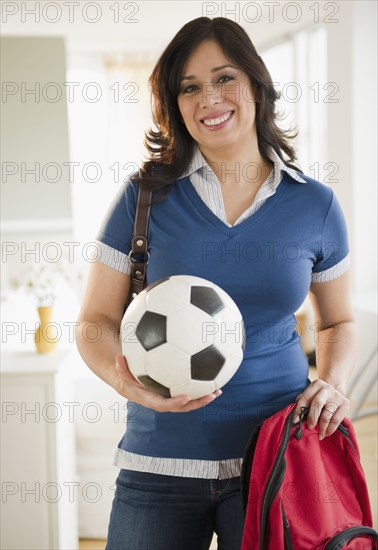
(211, 94)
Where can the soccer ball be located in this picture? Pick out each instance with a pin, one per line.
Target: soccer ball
(183, 335)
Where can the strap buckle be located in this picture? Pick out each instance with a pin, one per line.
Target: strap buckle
(134, 260)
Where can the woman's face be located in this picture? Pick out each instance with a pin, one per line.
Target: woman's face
(216, 100)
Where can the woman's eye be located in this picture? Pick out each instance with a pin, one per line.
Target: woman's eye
(225, 78)
(189, 89)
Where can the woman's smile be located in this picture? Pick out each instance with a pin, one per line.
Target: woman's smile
(217, 121)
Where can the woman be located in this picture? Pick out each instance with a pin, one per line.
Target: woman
(227, 207)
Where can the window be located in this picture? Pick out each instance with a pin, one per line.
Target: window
(108, 115)
(298, 67)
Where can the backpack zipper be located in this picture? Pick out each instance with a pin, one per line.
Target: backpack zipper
(275, 478)
(287, 535)
(345, 432)
(349, 534)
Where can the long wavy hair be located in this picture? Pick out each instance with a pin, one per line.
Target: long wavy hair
(171, 146)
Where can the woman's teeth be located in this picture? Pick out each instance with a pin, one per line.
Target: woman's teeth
(215, 121)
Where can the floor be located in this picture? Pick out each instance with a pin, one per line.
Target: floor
(100, 545)
(367, 434)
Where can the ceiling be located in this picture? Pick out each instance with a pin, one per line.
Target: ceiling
(146, 26)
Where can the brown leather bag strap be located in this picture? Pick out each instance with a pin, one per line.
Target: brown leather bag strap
(139, 244)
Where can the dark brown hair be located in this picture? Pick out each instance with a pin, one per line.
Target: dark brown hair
(171, 146)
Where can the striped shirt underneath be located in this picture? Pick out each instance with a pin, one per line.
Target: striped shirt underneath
(180, 467)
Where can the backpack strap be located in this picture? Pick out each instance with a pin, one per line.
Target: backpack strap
(139, 254)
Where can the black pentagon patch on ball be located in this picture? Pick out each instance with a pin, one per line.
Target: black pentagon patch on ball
(206, 364)
(152, 330)
(206, 298)
(154, 386)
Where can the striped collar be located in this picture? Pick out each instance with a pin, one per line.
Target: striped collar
(198, 162)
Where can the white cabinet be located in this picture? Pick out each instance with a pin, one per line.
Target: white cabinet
(39, 482)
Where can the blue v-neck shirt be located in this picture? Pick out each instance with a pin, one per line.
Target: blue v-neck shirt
(266, 264)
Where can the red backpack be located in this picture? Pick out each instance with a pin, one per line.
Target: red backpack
(304, 494)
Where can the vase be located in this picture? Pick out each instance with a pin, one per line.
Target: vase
(46, 336)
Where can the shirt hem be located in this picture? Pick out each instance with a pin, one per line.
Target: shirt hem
(179, 467)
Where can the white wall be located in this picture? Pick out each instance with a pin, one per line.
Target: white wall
(34, 129)
(352, 144)
(352, 136)
(364, 143)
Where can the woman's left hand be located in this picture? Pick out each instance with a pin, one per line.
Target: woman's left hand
(327, 407)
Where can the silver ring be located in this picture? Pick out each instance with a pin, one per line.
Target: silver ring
(329, 410)
(133, 260)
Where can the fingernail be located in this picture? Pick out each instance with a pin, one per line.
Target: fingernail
(296, 419)
(321, 436)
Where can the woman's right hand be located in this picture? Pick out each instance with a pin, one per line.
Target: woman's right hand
(127, 386)
(105, 310)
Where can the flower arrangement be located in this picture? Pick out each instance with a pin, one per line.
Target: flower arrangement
(46, 280)
(41, 282)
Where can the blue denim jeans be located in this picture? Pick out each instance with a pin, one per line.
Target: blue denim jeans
(158, 512)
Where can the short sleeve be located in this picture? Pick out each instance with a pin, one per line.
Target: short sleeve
(333, 257)
(116, 231)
